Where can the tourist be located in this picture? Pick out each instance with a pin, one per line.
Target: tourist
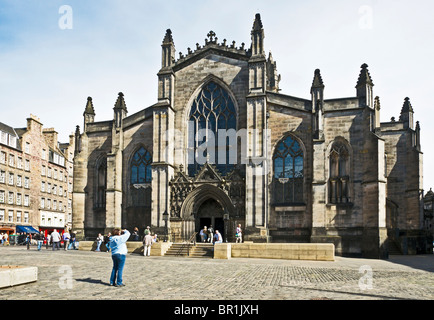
(48, 239)
(218, 237)
(155, 238)
(147, 231)
(99, 241)
(40, 238)
(119, 252)
(210, 234)
(1, 238)
(73, 240)
(147, 243)
(28, 240)
(66, 238)
(135, 235)
(238, 234)
(203, 234)
(55, 239)
(107, 241)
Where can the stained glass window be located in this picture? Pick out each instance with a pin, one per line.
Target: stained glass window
(141, 170)
(288, 172)
(211, 111)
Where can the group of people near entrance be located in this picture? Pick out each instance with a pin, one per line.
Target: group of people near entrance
(207, 235)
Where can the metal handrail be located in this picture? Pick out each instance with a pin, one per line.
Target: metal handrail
(188, 244)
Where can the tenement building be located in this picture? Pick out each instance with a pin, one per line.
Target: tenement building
(34, 187)
(223, 146)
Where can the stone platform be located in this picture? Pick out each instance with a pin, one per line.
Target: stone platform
(15, 275)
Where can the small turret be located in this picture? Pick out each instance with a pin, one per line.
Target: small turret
(258, 37)
(89, 113)
(317, 96)
(120, 110)
(365, 88)
(273, 78)
(407, 114)
(168, 50)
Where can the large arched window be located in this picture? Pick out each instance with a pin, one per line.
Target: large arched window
(101, 183)
(339, 173)
(141, 170)
(212, 114)
(288, 172)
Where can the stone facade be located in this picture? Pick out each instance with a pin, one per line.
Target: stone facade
(305, 170)
(36, 174)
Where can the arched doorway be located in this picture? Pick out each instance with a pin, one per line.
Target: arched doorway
(209, 213)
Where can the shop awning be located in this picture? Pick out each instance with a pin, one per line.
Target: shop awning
(26, 229)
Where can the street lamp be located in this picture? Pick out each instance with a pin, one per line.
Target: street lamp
(166, 219)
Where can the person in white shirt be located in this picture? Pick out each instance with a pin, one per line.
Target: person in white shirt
(55, 238)
(147, 243)
(66, 237)
(218, 237)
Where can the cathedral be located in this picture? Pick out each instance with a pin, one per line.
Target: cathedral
(224, 146)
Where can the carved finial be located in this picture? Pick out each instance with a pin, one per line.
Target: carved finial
(211, 36)
(257, 24)
(168, 37)
(364, 77)
(89, 107)
(233, 44)
(120, 102)
(377, 103)
(392, 119)
(189, 51)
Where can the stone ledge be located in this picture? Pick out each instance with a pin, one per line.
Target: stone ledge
(16, 275)
(288, 251)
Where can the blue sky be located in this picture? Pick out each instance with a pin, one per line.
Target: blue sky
(115, 46)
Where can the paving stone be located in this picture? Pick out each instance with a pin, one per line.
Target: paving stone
(85, 276)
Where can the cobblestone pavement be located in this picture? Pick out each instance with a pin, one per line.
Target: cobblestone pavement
(82, 275)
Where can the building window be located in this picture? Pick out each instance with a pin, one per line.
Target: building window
(11, 160)
(43, 186)
(2, 176)
(212, 111)
(338, 184)
(19, 181)
(19, 163)
(54, 204)
(27, 165)
(43, 170)
(2, 196)
(49, 187)
(101, 183)
(18, 216)
(26, 217)
(2, 157)
(11, 216)
(26, 200)
(49, 172)
(26, 182)
(27, 147)
(4, 137)
(42, 203)
(19, 199)
(141, 171)
(288, 175)
(2, 215)
(44, 154)
(11, 179)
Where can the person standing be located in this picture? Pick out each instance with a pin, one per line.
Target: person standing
(107, 241)
(135, 236)
(66, 238)
(40, 238)
(73, 241)
(147, 243)
(210, 234)
(5, 239)
(48, 239)
(238, 235)
(119, 250)
(99, 241)
(28, 240)
(55, 239)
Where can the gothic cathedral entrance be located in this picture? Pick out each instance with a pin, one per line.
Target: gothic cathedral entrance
(210, 213)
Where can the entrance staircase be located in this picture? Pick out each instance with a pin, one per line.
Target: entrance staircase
(198, 250)
(393, 248)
